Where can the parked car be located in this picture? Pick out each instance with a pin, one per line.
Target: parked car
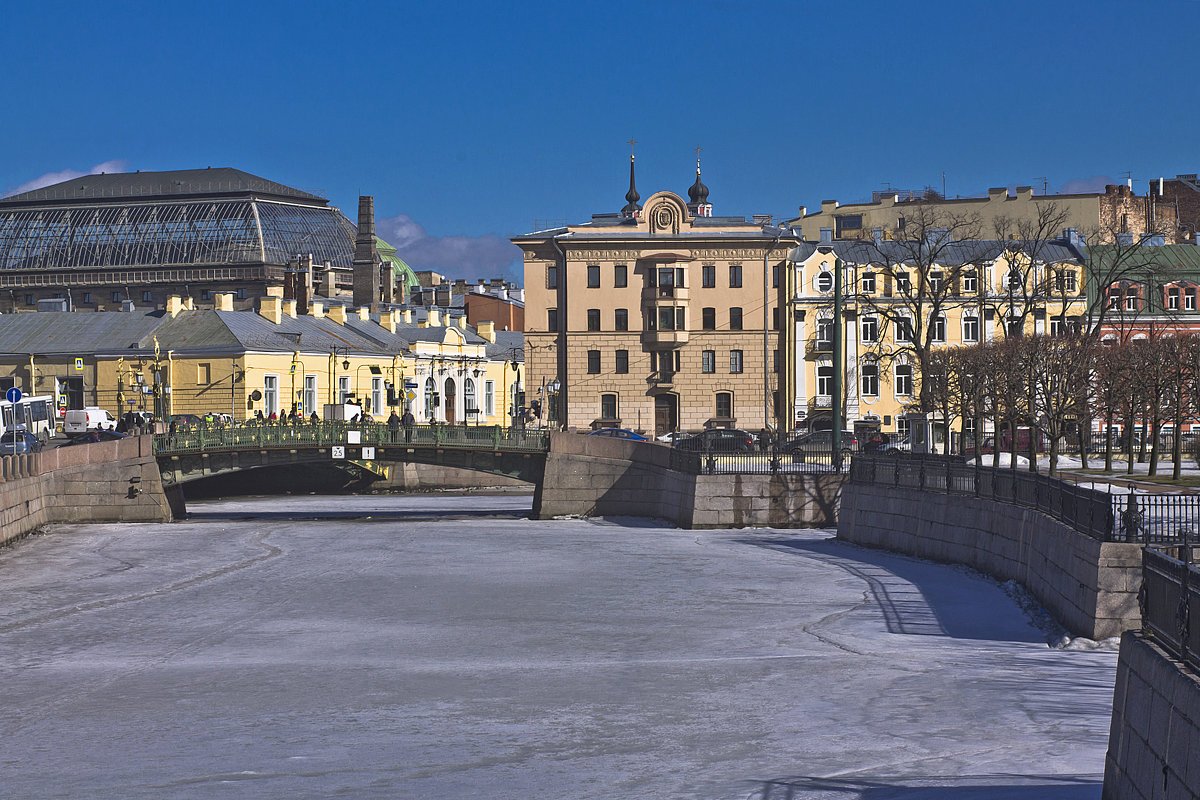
(720, 440)
(98, 435)
(819, 443)
(671, 437)
(186, 420)
(897, 447)
(82, 420)
(19, 441)
(619, 433)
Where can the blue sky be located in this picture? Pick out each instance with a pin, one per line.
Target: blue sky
(469, 121)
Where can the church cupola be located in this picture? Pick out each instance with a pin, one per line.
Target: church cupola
(632, 209)
(698, 195)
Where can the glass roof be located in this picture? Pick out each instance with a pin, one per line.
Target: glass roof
(236, 231)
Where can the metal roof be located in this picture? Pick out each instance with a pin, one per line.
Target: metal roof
(175, 183)
(75, 333)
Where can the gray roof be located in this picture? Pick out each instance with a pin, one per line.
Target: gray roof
(959, 252)
(158, 185)
(76, 333)
(507, 345)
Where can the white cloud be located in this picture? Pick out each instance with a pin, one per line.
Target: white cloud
(1094, 184)
(51, 178)
(470, 257)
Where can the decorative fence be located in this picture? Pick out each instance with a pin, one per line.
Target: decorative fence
(771, 461)
(1170, 597)
(1122, 517)
(201, 439)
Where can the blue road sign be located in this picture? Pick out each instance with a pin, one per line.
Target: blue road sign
(13, 395)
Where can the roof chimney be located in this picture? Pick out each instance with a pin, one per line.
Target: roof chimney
(366, 257)
(174, 305)
(337, 314)
(269, 308)
(275, 291)
(317, 310)
(487, 330)
(223, 301)
(289, 308)
(435, 318)
(387, 321)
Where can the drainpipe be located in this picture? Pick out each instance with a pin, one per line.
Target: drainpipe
(560, 370)
(767, 416)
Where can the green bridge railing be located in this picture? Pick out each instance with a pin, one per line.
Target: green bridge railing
(210, 439)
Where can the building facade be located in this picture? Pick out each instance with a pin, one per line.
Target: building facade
(657, 318)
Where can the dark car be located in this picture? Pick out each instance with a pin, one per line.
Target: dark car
(619, 433)
(818, 444)
(14, 442)
(96, 436)
(720, 440)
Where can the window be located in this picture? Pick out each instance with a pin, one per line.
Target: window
(1057, 326)
(774, 276)
(431, 399)
(87, 297)
(310, 394)
(735, 361)
(28, 299)
(775, 360)
(593, 273)
(377, 394)
(203, 373)
(489, 398)
(1172, 299)
(970, 282)
(903, 383)
(1014, 280)
(668, 280)
(1131, 300)
(903, 284)
(938, 324)
(620, 276)
(271, 395)
(1013, 326)
(824, 380)
(670, 318)
(735, 276)
(708, 276)
(870, 380)
(205, 294)
(593, 362)
(775, 318)
(708, 361)
(1189, 300)
(116, 297)
(824, 281)
(724, 405)
(147, 297)
(868, 282)
(593, 318)
(825, 335)
(622, 319)
(665, 362)
(622, 362)
(1064, 281)
(735, 318)
(551, 319)
(904, 329)
(552, 277)
(901, 427)
(608, 407)
(239, 294)
(936, 281)
(708, 319)
(870, 329)
(970, 326)
(344, 392)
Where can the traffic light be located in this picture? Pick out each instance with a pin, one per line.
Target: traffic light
(392, 399)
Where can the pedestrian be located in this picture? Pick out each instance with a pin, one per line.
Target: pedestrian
(393, 423)
(409, 422)
(764, 439)
(258, 417)
(314, 419)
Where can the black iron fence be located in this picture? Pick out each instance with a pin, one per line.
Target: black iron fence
(1169, 598)
(768, 461)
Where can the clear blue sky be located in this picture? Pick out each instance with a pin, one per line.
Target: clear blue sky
(468, 121)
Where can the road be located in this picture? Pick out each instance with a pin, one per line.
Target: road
(443, 646)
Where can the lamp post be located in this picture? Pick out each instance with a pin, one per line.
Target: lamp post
(517, 411)
(552, 401)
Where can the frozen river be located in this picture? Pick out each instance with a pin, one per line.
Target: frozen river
(443, 646)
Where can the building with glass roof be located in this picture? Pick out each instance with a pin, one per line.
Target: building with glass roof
(129, 240)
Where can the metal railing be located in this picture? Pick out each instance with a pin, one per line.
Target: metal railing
(1169, 598)
(199, 439)
(771, 461)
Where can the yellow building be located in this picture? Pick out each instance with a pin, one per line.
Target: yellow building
(268, 361)
(902, 299)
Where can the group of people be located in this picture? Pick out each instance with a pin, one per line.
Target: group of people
(135, 422)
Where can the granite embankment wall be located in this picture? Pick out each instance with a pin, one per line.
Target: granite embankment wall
(1154, 742)
(1089, 586)
(102, 482)
(405, 477)
(600, 476)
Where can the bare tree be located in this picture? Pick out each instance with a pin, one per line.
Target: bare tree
(1059, 367)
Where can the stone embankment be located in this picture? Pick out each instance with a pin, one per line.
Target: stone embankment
(115, 481)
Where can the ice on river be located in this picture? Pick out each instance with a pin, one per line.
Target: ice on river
(442, 646)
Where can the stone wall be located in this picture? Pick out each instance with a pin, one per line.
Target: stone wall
(1089, 586)
(408, 477)
(602, 476)
(81, 483)
(1154, 742)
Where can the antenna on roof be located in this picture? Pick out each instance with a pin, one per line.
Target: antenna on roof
(1045, 184)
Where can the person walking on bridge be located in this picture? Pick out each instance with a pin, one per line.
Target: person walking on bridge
(394, 426)
(409, 422)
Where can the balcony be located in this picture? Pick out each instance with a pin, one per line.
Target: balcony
(818, 348)
(664, 339)
(820, 401)
(663, 379)
(655, 295)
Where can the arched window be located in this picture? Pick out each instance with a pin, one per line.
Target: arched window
(469, 399)
(430, 392)
(724, 405)
(824, 281)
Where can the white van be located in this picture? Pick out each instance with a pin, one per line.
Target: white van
(82, 420)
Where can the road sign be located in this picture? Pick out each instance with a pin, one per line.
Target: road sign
(79, 365)
(368, 454)
(409, 383)
(13, 395)
(337, 451)
(410, 394)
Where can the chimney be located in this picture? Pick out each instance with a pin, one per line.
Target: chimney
(269, 308)
(435, 318)
(337, 314)
(223, 301)
(189, 304)
(997, 193)
(487, 330)
(366, 257)
(329, 281)
(318, 310)
(364, 314)
(408, 316)
(174, 305)
(275, 291)
(828, 205)
(1024, 192)
(387, 321)
(457, 322)
(289, 308)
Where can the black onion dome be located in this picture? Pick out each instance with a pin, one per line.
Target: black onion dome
(698, 194)
(632, 195)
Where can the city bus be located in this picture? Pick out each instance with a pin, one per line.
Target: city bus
(35, 414)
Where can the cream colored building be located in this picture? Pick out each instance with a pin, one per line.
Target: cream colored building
(985, 290)
(660, 317)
